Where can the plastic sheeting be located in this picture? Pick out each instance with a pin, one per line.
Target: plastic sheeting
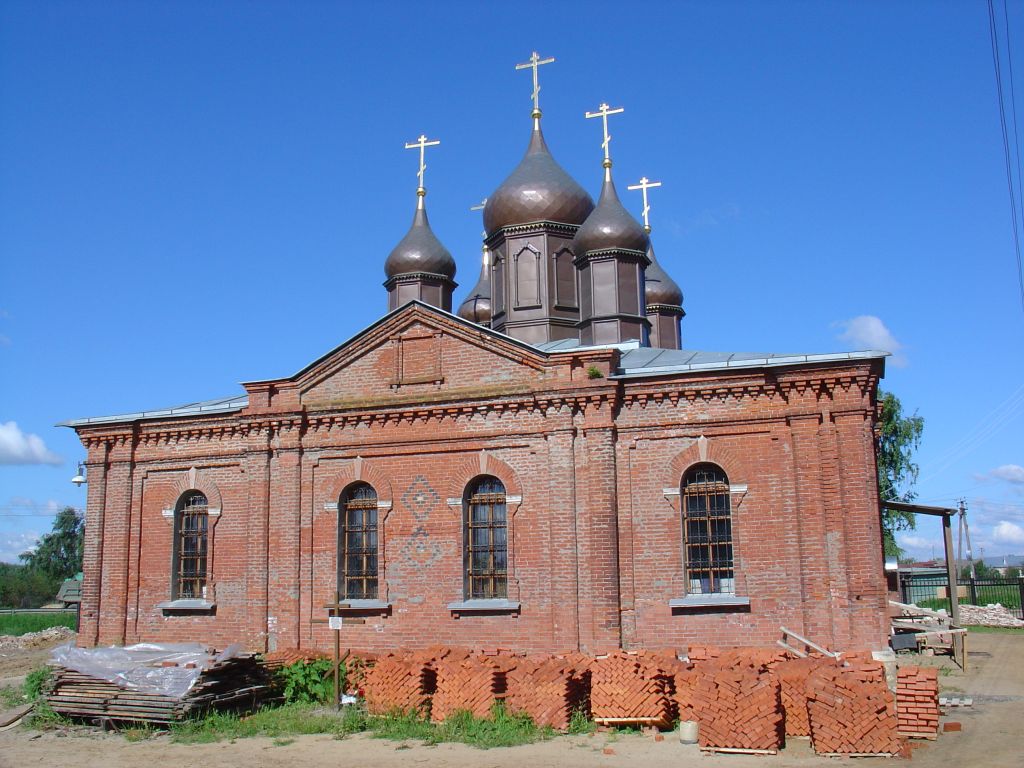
(169, 669)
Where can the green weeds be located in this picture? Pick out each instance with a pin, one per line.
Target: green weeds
(22, 623)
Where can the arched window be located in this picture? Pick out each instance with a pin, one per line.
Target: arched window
(190, 543)
(485, 532)
(357, 543)
(707, 531)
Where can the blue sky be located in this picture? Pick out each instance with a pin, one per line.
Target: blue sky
(198, 194)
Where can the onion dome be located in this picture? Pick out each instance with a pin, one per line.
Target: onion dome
(538, 189)
(659, 288)
(477, 305)
(420, 250)
(610, 226)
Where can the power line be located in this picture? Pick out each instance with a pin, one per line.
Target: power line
(1007, 156)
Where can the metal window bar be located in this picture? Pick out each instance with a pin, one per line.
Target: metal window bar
(486, 537)
(357, 544)
(707, 529)
(190, 579)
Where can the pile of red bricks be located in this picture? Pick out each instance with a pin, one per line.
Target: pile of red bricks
(471, 684)
(631, 687)
(737, 706)
(851, 711)
(286, 656)
(404, 683)
(549, 690)
(917, 702)
(793, 675)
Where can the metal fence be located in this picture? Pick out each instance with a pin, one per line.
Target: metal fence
(932, 592)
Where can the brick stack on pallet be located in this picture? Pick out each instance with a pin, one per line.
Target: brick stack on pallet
(630, 688)
(474, 684)
(793, 675)
(287, 656)
(239, 683)
(549, 690)
(738, 707)
(851, 711)
(917, 702)
(405, 683)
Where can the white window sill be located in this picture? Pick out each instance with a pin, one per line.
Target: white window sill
(485, 606)
(187, 605)
(710, 601)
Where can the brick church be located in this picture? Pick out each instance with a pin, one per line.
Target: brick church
(548, 468)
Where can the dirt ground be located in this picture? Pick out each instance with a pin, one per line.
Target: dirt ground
(990, 737)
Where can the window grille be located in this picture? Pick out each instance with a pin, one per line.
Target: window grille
(707, 529)
(357, 543)
(191, 542)
(486, 540)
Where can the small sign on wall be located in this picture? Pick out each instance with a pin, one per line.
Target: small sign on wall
(334, 622)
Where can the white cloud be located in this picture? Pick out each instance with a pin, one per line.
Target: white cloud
(13, 544)
(910, 541)
(21, 505)
(17, 447)
(1011, 473)
(1008, 533)
(869, 332)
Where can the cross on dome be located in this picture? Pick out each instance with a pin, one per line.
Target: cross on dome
(421, 143)
(534, 63)
(603, 111)
(643, 186)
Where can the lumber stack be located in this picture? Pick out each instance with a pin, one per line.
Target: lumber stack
(738, 707)
(793, 675)
(851, 712)
(917, 702)
(239, 683)
(473, 685)
(627, 687)
(549, 690)
(399, 682)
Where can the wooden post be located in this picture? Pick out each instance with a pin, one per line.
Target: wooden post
(337, 654)
(959, 651)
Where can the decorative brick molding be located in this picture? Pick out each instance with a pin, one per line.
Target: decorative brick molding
(484, 463)
(360, 470)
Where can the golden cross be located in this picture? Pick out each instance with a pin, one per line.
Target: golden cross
(421, 143)
(479, 207)
(643, 186)
(603, 111)
(535, 62)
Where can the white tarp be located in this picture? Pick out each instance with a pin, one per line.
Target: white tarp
(144, 667)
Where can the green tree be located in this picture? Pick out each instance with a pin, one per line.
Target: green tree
(59, 552)
(899, 437)
(981, 571)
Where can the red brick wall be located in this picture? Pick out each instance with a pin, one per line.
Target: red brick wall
(595, 545)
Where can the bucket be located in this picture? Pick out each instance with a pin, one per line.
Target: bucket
(687, 732)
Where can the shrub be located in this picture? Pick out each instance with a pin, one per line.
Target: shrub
(310, 682)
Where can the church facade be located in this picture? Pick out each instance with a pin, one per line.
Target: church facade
(546, 469)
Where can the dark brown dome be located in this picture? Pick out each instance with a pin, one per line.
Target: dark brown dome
(659, 288)
(610, 226)
(537, 190)
(476, 307)
(420, 251)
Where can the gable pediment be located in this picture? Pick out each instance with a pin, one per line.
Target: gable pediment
(418, 352)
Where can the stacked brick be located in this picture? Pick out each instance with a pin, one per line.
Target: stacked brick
(472, 684)
(793, 675)
(549, 690)
(287, 656)
(917, 702)
(737, 706)
(627, 687)
(851, 711)
(404, 683)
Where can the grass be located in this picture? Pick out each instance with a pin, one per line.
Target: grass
(501, 729)
(22, 623)
(995, 630)
(11, 697)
